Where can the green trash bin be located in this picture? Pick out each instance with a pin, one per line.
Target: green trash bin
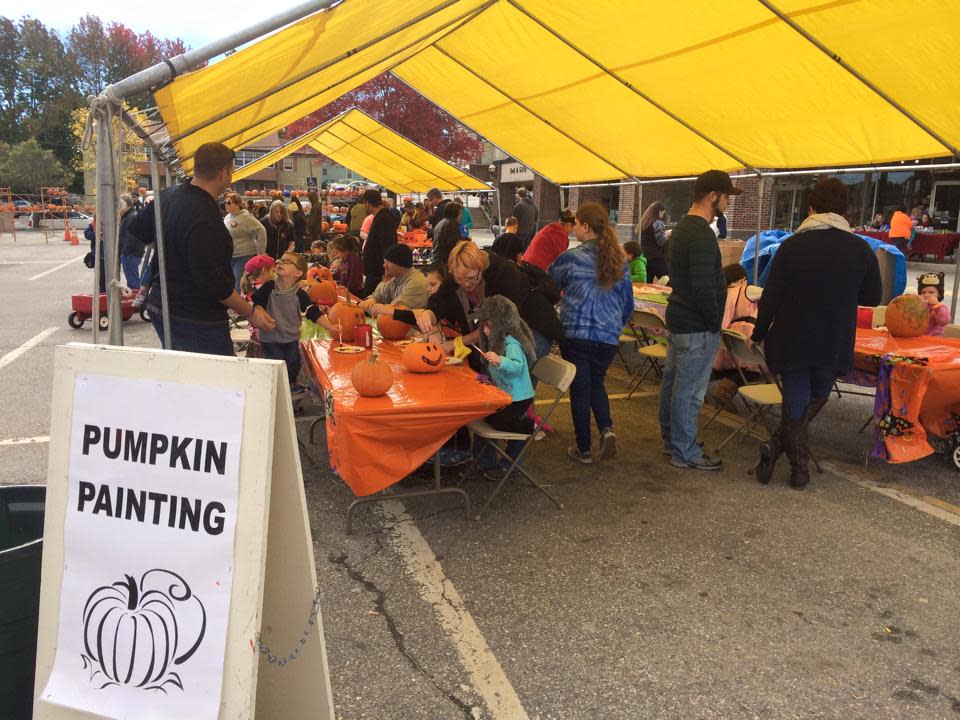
(21, 550)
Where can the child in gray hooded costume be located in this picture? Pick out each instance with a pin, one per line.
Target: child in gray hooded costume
(509, 351)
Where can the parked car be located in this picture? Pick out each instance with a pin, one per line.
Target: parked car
(347, 184)
(51, 221)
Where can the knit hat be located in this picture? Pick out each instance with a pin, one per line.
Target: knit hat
(258, 263)
(399, 254)
(934, 280)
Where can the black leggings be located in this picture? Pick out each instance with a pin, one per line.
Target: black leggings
(288, 352)
(513, 418)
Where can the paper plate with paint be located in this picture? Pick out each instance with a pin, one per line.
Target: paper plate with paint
(349, 349)
(404, 342)
(451, 360)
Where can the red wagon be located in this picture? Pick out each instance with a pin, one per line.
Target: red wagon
(83, 310)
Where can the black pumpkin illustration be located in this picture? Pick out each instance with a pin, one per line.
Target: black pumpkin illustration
(134, 633)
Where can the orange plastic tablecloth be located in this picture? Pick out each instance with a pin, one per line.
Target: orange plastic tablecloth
(376, 442)
(942, 397)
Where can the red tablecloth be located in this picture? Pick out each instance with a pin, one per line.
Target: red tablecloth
(376, 442)
(941, 400)
(924, 243)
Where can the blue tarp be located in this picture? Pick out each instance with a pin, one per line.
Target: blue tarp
(770, 241)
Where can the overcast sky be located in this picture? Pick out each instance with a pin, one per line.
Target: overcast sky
(196, 23)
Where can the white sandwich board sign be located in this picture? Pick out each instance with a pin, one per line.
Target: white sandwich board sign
(175, 531)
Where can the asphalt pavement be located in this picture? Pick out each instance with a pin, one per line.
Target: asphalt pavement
(654, 593)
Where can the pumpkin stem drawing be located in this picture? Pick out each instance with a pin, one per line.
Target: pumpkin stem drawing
(134, 633)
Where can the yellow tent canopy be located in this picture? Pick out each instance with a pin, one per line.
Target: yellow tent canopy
(357, 141)
(613, 88)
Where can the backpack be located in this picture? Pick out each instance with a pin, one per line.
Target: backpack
(540, 281)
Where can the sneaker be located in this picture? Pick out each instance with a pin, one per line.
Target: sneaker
(451, 457)
(704, 462)
(581, 457)
(540, 435)
(298, 389)
(608, 444)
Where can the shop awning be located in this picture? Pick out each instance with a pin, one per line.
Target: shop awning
(366, 146)
(614, 88)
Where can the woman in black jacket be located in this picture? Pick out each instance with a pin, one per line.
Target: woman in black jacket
(808, 317)
(280, 237)
(475, 274)
(299, 218)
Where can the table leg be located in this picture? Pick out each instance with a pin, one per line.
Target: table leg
(436, 490)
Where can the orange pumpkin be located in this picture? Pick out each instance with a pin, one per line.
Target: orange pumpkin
(319, 273)
(339, 227)
(389, 328)
(322, 292)
(347, 317)
(423, 357)
(324, 226)
(907, 316)
(371, 378)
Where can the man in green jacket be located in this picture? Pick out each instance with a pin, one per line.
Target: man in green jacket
(694, 314)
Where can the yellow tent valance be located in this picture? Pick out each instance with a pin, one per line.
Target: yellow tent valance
(364, 145)
(614, 88)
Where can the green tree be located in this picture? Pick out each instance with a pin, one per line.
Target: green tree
(10, 111)
(26, 167)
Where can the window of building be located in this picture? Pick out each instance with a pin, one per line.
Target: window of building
(676, 199)
(289, 163)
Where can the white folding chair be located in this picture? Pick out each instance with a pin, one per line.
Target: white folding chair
(549, 370)
(654, 353)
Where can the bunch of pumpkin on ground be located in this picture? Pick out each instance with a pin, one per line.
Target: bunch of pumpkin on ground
(370, 377)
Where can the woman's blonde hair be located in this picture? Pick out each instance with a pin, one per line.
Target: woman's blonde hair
(610, 257)
(467, 256)
(279, 204)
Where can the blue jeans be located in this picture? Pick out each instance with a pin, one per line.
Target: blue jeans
(237, 264)
(131, 270)
(802, 386)
(288, 352)
(686, 374)
(212, 338)
(587, 391)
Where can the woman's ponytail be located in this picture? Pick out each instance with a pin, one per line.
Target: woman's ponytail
(610, 257)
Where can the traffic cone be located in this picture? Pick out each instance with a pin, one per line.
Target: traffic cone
(74, 239)
(66, 233)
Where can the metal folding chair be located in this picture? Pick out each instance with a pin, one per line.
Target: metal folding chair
(654, 353)
(549, 370)
(951, 331)
(758, 397)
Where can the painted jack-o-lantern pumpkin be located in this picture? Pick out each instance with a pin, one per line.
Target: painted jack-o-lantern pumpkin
(907, 316)
(319, 273)
(346, 317)
(135, 634)
(423, 357)
(389, 328)
(371, 378)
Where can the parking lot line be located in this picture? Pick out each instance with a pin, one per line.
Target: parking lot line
(35, 340)
(437, 590)
(25, 441)
(54, 269)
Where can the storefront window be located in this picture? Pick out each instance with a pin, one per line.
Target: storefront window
(676, 200)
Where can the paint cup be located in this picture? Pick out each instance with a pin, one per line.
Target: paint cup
(363, 336)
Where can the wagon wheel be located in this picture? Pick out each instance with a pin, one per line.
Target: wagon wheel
(104, 323)
(73, 319)
(953, 454)
(144, 314)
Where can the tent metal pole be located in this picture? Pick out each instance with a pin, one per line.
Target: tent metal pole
(876, 191)
(639, 210)
(539, 117)
(473, 129)
(756, 245)
(107, 222)
(850, 69)
(956, 286)
(632, 88)
(158, 221)
(443, 31)
(165, 71)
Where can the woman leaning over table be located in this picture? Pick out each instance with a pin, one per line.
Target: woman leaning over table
(249, 236)
(474, 274)
(597, 302)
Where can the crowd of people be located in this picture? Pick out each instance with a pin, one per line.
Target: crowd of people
(526, 294)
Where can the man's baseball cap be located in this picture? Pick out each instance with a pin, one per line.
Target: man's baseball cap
(715, 181)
